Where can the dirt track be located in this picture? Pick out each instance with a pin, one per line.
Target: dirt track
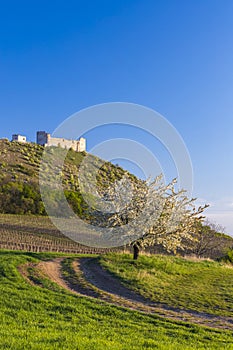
(53, 270)
(92, 280)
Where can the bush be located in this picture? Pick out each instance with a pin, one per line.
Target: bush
(228, 258)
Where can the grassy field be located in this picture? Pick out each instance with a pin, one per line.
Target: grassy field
(197, 285)
(50, 318)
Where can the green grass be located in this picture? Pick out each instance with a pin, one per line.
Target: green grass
(41, 318)
(197, 285)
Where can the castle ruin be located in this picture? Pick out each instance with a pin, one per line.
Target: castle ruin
(45, 139)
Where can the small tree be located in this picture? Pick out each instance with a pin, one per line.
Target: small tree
(176, 226)
(212, 242)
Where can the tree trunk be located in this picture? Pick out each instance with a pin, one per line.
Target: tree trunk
(135, 252)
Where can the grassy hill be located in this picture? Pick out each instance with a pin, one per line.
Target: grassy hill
(19, 170)
(49, 317)
(204, 286)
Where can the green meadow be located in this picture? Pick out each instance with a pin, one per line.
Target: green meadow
(201, 285)
(48, 317)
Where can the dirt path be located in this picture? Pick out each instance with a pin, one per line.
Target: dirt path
(53, 270)
(95, 274)
(92, 280)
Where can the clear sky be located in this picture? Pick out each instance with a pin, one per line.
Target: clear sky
(175, 56)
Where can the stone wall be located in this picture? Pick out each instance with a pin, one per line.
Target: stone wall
(45, 139)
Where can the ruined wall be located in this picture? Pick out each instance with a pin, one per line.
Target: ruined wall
(59, 142)
(45, 139)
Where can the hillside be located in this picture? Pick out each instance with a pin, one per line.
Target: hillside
(20, 194)
(37, 234)
(54, 298)
(200, 285)
(19, 170)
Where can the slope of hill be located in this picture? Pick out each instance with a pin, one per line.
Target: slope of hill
(19, 170)
(37, 234)
(203, 286)
(20, 194)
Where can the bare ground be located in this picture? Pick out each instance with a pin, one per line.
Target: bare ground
(92, 280)
(52, 269)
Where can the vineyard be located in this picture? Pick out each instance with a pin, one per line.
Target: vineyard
(37, 234)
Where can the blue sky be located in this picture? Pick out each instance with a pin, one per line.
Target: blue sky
(57, 57)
